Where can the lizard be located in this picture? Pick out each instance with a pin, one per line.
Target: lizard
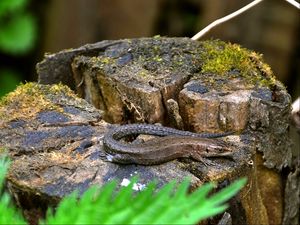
(173, 144)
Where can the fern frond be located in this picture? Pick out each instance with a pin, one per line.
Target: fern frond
(170, 205)
(8, 213)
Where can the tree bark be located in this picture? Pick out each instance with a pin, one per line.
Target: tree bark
(177, 82)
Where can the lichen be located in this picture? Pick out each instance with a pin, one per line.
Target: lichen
(31, 98)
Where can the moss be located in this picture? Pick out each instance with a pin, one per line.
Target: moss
(214, 62)
(142, 73)
(101, 61)
(157, 58)
(31, 98)
(231, 61)
(221, 58)
(3, 150)
(106, 60)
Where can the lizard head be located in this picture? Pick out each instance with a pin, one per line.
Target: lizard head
(218, 149)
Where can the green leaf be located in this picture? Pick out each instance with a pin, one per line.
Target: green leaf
(9, 214)
(18, 35)
(9, 80)
(214, 204)
(170, 205)
(228, 192)
(122, 214)
(4, 164)
(7, 6)
(155, 205)
(168, 214)
(144, 197)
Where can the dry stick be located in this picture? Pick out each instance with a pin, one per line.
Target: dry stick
(234, 14)
(224, 19)
(294, 3)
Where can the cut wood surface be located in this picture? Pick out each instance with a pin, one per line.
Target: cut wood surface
(55, 137)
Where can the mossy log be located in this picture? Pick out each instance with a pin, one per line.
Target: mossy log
(210, 86)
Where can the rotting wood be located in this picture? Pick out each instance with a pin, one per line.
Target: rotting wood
(132, 81)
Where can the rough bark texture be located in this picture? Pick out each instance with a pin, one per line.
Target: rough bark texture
(56, 68)
(173, 81)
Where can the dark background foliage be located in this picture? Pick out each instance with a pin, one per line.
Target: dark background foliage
(271, 28)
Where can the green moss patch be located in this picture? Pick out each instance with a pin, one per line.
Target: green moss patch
(29, 99)
(228, 60)
(221, 58)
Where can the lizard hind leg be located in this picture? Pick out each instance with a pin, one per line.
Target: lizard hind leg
(199, 158)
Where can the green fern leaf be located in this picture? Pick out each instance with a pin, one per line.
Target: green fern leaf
(8, 214)
(169, 205)
(227, 193)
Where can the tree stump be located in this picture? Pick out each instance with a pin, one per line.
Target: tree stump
(55, 138)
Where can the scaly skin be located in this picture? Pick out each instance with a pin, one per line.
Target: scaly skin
(173, 144)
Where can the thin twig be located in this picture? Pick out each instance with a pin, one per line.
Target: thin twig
(294, 3)
(224, 19)
(234, 14)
